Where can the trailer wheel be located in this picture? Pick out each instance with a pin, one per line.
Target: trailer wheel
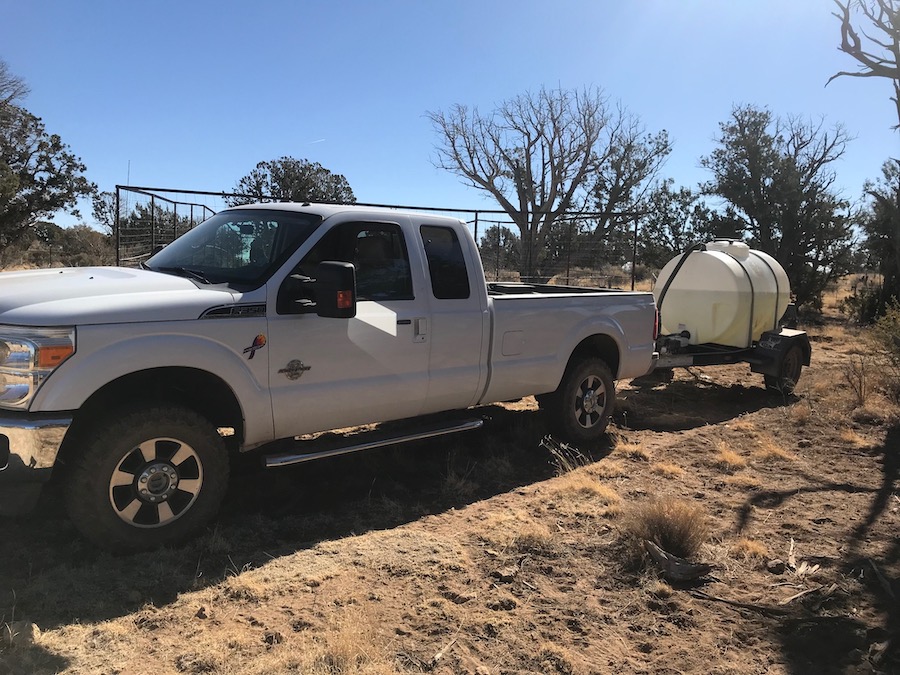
(789, 371)
(147, 477)
(581, 406)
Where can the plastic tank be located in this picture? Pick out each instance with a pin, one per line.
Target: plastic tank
(726, 295)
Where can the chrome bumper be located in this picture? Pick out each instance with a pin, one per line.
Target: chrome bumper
(29, 444)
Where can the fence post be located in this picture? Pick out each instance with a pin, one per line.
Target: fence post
(118, 239)
(152, 222)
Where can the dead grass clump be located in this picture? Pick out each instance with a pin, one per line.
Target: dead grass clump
(727, 459)
(582, 484)
(350, 645)
(769, 450)
(566, 458)
(749, 549)
(660, 589)
(518, 531)
(667, 470)
(744, 427)
(631, 449)
(244, 589)
(677, 526)
(583, 495)
(852, 438)
(877, 410)
(533, 537)
(607, 468)
(800, 414)
(556, 659)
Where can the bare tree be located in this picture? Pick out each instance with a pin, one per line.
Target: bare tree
(534, 154)
(12, 87)
(878, 54)
(625, 180)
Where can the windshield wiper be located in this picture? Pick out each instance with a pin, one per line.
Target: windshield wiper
(185, 272)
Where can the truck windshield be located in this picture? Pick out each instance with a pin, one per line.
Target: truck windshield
(240, 247)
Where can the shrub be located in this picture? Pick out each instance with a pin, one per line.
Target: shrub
(886, 335)
(677, 526)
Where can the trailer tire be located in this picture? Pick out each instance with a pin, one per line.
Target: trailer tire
(581, 406)
(790, 368)
(146, 477)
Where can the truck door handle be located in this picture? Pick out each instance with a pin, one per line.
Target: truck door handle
(420, 329)
(404, 322)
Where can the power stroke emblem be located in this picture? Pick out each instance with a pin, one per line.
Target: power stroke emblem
(294, 369)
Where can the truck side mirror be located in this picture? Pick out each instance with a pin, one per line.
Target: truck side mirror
(336, 290)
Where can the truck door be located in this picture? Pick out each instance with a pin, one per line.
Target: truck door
(332, 373)
(459, 329)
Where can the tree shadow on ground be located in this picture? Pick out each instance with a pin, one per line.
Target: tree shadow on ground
(839, 644)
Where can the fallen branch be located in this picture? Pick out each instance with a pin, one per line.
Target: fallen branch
(762, 609)
(885, 584)
(675, 568)
(800, 595)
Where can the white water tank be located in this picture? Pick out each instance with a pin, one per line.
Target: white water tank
(726, 295)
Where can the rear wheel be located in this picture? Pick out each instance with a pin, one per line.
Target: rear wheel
(581, 406)
(148, 477)
(789, 371)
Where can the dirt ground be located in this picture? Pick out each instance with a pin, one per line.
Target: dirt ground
(485, 553)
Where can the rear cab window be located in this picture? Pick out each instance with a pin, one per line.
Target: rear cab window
(446, 263)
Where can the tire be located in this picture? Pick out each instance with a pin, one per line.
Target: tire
(789, 371)
(581, 406)
(147, 477)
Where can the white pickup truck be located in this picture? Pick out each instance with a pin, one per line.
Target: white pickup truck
(272, 321)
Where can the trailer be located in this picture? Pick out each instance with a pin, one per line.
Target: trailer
(729, 304)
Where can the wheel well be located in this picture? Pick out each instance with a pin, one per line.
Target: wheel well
(602, 346)
(203, 392)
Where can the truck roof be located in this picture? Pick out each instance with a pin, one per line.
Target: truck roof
(326, 210)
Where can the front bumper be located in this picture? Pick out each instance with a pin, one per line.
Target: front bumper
(29, 444)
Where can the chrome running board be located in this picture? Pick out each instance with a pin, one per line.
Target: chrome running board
(380, 440)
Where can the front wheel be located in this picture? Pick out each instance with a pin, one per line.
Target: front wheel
(581, 406)
(148, 477)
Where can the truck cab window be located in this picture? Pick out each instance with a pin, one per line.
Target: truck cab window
(378, 251)
(446, 263)
(382, 264)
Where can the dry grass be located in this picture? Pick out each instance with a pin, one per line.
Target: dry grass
(667, 470)
(744, 481)
(749, 549)
(768, 449)
(581, 484)
(853, 438)
(727, 459)
(800, 414)
(632, 449)
(516, 530)
(677, 526)
(583, 496)
(743, 427)
(607, 468)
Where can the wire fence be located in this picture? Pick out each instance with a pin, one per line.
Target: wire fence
(148, 218)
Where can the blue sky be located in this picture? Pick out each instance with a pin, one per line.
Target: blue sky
(192, 94)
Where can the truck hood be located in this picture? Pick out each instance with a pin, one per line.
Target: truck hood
(96, 295)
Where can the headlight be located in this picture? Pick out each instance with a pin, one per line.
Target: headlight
(27, 357)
